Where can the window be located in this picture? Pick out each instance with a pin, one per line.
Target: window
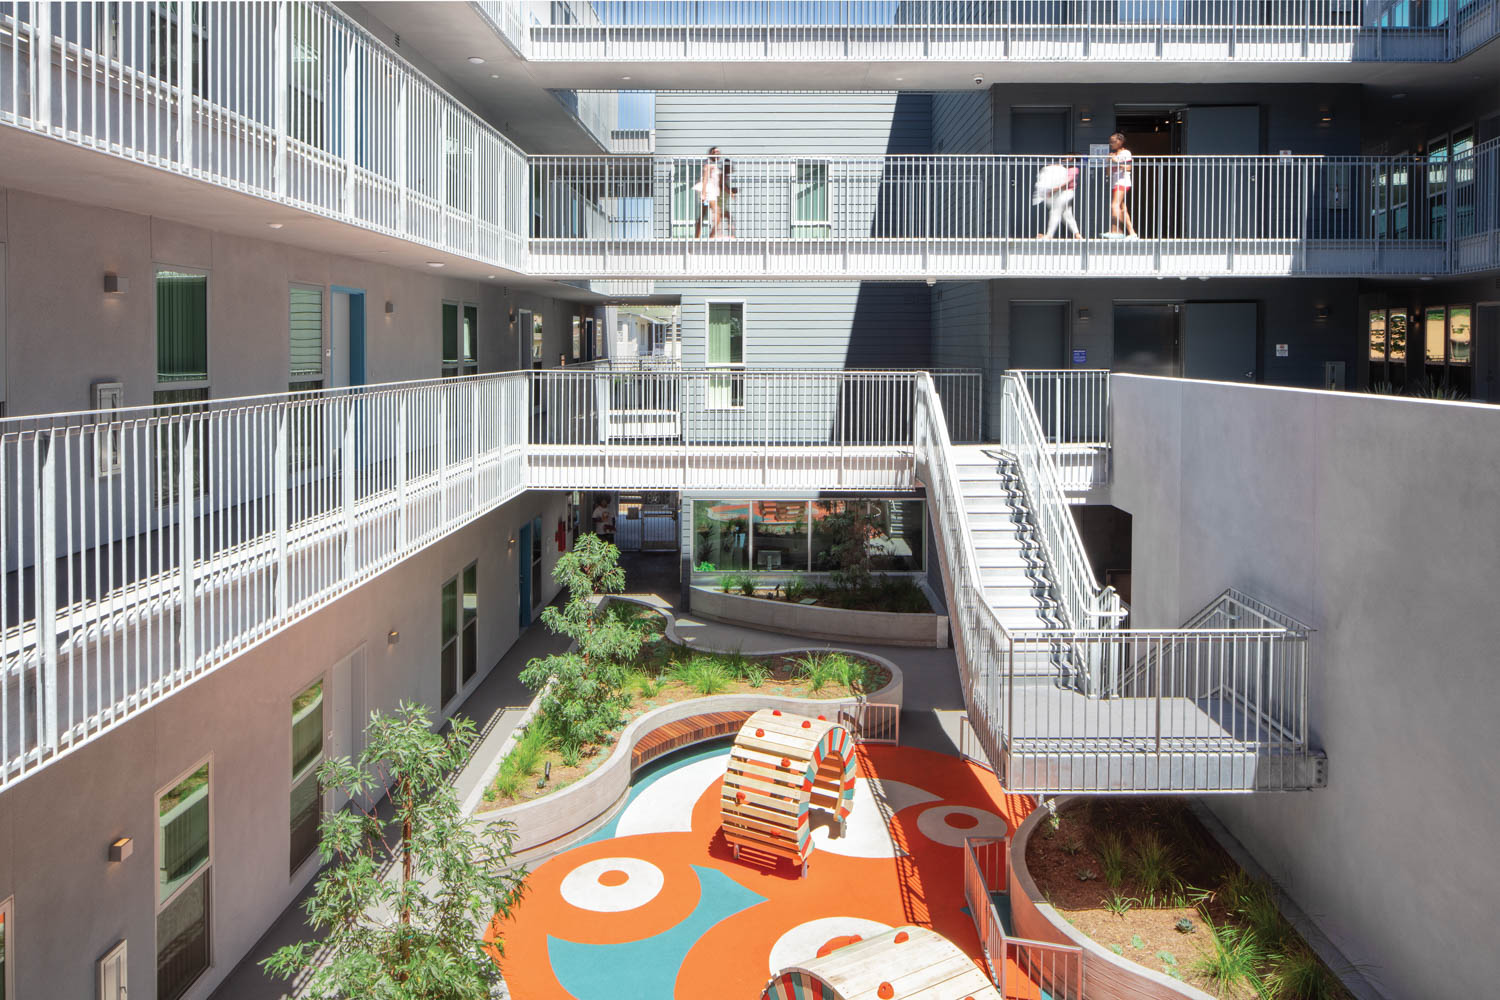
(799, 535)
(164, 54)
(459, 655)
(726, 349)
(1463, 182)
(460, 339)
(307, 754)
(598, 340)
(315, 80)
(577, 338)
(720, 535)
(536, 340)
(780, 530)
(181, 326)
(305, 309)
(892, 529)
(1448, 336)
(169, 439)
(1437, 188)
(184, 861)
(810, 212)
(687, 204)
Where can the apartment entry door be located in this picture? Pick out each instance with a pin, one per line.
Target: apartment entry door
(1038, 334)
(1206, 340)
(346, 337)
(1039, 132)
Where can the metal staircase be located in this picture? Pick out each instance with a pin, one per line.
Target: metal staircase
(1012, 566)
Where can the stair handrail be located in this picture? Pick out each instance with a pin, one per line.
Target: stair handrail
(1082, 603)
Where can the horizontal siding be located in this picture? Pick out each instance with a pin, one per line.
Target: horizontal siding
(963, 123)
(961, 324)
(816, 324)
(793, 124)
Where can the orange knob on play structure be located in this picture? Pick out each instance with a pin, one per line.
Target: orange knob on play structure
(822, 718)
(775, 711)
(806, 723)
(901, 936)
(884, 991)
(785, 762)
(760, 732)
(739, 796)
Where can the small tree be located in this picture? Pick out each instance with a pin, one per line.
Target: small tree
(587, 693)
(850, 526)
(416, 933)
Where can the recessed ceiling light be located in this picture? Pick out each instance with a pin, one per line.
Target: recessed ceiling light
(477, 60)
(490, 276)
(1399, 97)
(276, 225)
(624, 78)
(434, 263)
(494, 76)
(900, 78)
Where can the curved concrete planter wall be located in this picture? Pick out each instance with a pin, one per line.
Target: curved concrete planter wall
(1106, 976)
(885, 628)
(553, 818)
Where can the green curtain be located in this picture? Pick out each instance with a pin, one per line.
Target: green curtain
(471, 335)
(306, 333)
(810, 204)
(726, 340)
(181, 326)
(450, 335)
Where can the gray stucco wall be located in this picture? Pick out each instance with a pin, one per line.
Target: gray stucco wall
(72, 904)
(63, 333)
(1372, 519)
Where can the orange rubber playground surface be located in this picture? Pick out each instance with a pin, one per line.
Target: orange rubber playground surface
(653, 906)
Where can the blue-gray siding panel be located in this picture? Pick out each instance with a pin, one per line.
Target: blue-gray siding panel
(793, 124)
(963, 123)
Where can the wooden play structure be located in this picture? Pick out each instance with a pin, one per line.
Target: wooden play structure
(904, 963)
(782, 765)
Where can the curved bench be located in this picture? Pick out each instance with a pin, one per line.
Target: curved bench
(684, 733)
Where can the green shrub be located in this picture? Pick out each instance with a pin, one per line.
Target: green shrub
(794, 589)
(1152, 863)
(1119, 905)
(747, 586)
(1298, 974)
(1236, 959)
(1260, 912)
(703, 674)
(705, 567)
(727, 582)
(756, 673)
(822, 669)
(1112, 859)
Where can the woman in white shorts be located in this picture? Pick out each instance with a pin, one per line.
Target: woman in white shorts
(710, 183)
(1119, 187)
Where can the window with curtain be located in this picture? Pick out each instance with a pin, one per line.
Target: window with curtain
(184, 859)
(181, 326)
(168, 439)
(686, 203)
(460, 339)
(307, 754)
(726, 349)
(810, 209)
(306, 323)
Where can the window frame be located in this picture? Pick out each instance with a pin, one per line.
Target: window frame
(726, 379)
(7, 945)
(206, 872)
(826, 223)
(301, 378)
(462, 362)
(298, 777)
(749, 503)
(465, 648)
(208, 312)
(682, 181)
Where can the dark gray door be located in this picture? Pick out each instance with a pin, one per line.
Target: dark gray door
(1487, 353)
(1038, 334)
(1146, 339)
(1218, 341)
(1041, 133)
(1216, 198)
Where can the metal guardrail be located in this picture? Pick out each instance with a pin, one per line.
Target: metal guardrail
(288, 101)
(1276, 31)
(959, 216)
(1019, 967)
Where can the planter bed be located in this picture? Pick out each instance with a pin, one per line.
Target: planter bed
(815, 621)
(1090, 867)
(577, 796)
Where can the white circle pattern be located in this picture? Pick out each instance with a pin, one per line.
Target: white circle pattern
(935, 826)
(582, 886)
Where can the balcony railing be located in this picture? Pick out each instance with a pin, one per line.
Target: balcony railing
(292, 102)
(975, 216)
(1277, 31)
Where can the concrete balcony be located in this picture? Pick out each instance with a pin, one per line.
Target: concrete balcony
(964, 217)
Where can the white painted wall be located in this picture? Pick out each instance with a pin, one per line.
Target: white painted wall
(1374, 519)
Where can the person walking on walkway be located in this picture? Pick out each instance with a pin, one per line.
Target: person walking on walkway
(708, 188)
(1120, 224)
(1056, 185)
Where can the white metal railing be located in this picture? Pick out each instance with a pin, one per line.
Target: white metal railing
(288, 101)
(633, 140)
(1018, 30)
(1089, 707)
(964, 216)
(1072, 409)
(1019, 967)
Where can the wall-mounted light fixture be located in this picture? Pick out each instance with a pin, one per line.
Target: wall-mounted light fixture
(1320, 312)
(392, 637)
(121, 849)
(114, 284)
(390, 307)
(1084, 116)
(1083, 315)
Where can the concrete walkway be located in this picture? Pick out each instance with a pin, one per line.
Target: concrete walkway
(933, 705)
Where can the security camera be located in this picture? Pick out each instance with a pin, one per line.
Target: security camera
(978, 80)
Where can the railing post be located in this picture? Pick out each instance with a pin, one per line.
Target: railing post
(346, 139)
(41, 66)
(280, 95)
(474, 416)
(46, 584)
(346, 487)
(280, 507)
(401, 473)
(187, 526)
(402, 225)
(442, 456)
(185, 13)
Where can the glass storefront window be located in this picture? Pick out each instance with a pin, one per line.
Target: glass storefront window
(720, 535)
(898, 549)
(1396, 332)
(780, 528)
(1377, 336)
(1435, 332)
(1460, 338)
